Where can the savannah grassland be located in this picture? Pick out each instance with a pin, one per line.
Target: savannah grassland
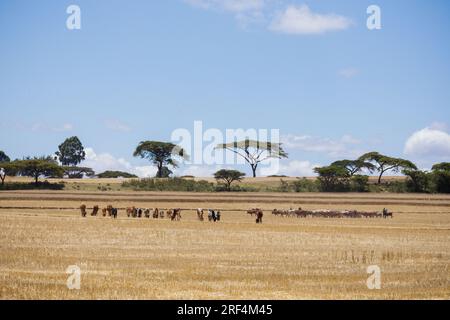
(42, 233)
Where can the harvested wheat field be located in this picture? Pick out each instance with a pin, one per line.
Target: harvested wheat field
(42, 233)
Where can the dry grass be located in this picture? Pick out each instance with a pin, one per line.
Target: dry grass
(284, 258)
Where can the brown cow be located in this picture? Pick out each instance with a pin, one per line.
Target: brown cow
(95, 211)
(83, 210)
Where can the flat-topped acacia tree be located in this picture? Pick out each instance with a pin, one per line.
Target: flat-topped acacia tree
(161, 154)
(254, 152)
(385, 163)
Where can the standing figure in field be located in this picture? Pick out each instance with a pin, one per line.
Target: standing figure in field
(200, 214)
(83, 210)
(109, 209)
(210, 215)
(129, 212)
(387, 213)
(155, 213)
(104, 212)
(161, 214)
(259, 216)
(114, 213)
(218, 215)
(147, 213)
(95, 211)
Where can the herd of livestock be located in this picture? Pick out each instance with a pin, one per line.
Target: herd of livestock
(214, 215)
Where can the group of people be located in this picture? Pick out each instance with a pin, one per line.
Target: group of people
(213, 215)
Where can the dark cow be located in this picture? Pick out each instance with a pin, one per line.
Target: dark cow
(387, 213)
(83, 210)
(95, 211)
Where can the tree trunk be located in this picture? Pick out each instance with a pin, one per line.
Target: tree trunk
(36, 180)
(159, 173)
(379, 177)
(254, 167)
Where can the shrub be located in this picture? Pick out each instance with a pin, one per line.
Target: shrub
(168, 184)
(360, 183)
(417, 181)
(32, 186)
(304, 185)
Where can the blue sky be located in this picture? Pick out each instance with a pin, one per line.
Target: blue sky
(137, 70)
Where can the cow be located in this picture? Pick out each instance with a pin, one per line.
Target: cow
(174, 214)
(129, 212)
(253, 211)
(200, 214)
(161, 214)
(95, 211)
(83, 210)
(104, 212)
(155, 213)
(147, 213)
(387, 213)
(114, 212)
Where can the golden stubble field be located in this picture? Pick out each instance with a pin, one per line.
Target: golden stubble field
(42, 233)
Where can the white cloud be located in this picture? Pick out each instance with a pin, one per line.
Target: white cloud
(40, 126)
(294, 168)
(235, 6)
(348, 72)
(105, 161)
(347, 146)
(245, 11)
(429, 142)
(117, 125)
(301, 20)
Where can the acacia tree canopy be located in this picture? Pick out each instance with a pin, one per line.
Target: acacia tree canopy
(4, 157)
(37, 167)
(254, 151)
(161, 154)
(443, 166)
(385, 163)
(228, 176)
(354, 166)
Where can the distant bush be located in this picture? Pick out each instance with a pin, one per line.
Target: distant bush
(299, 185)
(359, 183)
(32, 186)
(116, 174)
(169, 184)
(440, 181)
(417, 181)
(305, 185)
(277, 176)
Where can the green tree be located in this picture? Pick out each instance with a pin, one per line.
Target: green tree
(7, 169)
(37, 167)
(385, 163)
(116, 174)
(418, 181)
(71, 152)
(355, 166)
(254, 152)
(228, 177)
(78, 172)
(4, 157)
(161, 154)
(441, 177)
(333, 178)
(360, 183)
(443, 166)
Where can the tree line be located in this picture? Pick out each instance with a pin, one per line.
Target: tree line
(342, 175)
